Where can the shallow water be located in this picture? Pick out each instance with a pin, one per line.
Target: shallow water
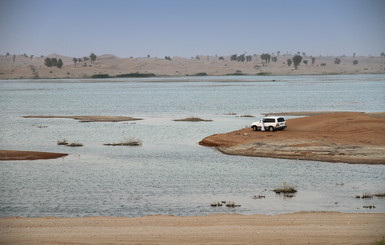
(170, 173)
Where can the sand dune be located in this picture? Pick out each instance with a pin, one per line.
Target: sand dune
(25, 67)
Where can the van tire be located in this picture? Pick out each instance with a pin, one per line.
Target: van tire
(255, 128)
(271, 129)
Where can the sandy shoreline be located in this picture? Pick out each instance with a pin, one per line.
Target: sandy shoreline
(349, 137)
(295, 228)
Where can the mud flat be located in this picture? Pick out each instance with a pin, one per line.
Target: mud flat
(349, 137)
(8, 155)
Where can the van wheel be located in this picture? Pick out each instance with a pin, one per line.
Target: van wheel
(255, 128)
(271, 129)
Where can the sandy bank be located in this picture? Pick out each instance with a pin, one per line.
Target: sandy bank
(296, 228)
(350, 137)
(112, 66)
(7, 155)
(91, 118)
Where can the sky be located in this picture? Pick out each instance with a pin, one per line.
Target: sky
(188, 28)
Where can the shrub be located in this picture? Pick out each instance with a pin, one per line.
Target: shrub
(136, 74)
(285, 188)
(201, 74)
(367, 195)
(127, 142)
(100, 76)
(62, 142)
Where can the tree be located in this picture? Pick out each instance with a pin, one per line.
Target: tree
(54, 61)
(312, 60)
(93, 58)
(297, 60)
(14, 58)
(59, 63)
(75, 60)
(32, 56)
(289, 62)
(382, 54)
(48, 62)
(167, 57)
(241, 58)
(234, 57)
(354, 55)
(274, 59)
(305, 62)
(355, 62)
(266, 58)
(337, 61)
(278, 52)
(303, 54)
(7, 54)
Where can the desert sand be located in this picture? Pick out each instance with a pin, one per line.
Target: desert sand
(7, 155)
(295, 228)
(25, 67)
(349, 137)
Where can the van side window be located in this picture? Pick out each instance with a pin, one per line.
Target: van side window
(280, 119)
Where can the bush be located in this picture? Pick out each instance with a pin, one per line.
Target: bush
(100, 76)
(201, 74)
(285, 188)
(136, 74)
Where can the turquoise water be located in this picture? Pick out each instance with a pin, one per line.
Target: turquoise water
(170, 173)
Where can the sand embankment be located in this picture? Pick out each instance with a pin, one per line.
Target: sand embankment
(350, 137)
(295, 228)
(8, 155)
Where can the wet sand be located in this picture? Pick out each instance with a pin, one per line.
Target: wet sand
(8, 155)
(295, 228)
(349, 137)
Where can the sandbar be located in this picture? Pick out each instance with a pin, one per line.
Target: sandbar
(348, 137)
(91, 118)
(294, 228)
(8, 155)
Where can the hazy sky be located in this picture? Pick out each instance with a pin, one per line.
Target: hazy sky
(191, 27)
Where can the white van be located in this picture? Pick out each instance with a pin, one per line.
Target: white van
(269, 123)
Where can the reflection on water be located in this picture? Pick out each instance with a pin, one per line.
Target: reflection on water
(170, 173)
